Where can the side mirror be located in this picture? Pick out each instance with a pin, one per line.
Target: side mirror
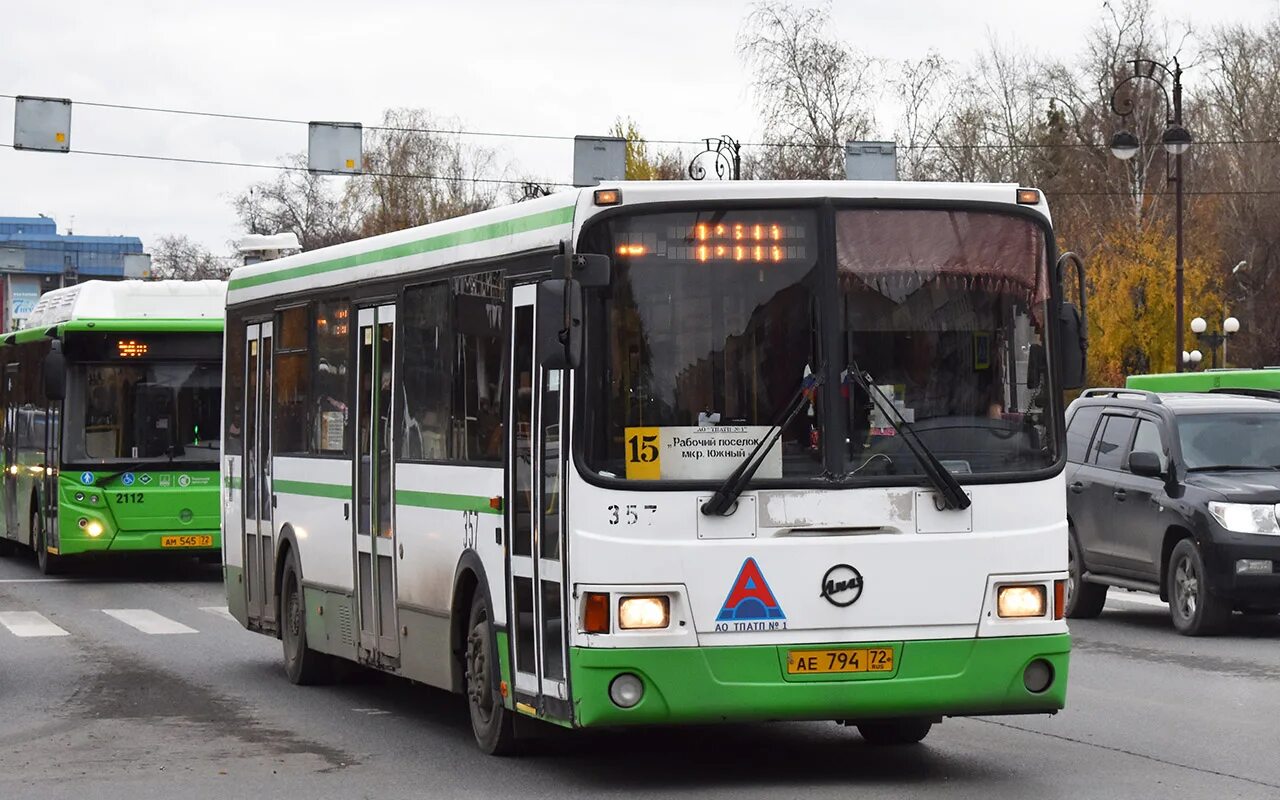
(591, 270)
(1073, 345)
(1073, 332)
(55, 373)
(559, 345)
(1145, 463)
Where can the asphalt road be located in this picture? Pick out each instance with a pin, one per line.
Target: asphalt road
(200, 708)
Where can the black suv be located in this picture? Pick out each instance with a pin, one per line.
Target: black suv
(1175, 494)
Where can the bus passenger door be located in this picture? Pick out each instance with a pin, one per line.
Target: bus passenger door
(374, 521)
(538, 636)
(258, 499)
(10, 451)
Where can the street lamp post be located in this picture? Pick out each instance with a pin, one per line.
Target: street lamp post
(1176, 140)
(1214, 339)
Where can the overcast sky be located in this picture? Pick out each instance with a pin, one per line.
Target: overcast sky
(539, 66)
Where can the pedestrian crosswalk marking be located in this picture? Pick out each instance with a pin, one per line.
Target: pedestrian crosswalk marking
(147, 621)
(219, 611)
(29, 623)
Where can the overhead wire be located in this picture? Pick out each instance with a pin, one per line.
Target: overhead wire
(566, 137)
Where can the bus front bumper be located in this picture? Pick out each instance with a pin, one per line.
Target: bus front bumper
(933, 678)
(194, 542)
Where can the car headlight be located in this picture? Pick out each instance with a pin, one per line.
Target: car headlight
(1246, 517)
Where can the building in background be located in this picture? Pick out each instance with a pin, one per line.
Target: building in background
(35, 258)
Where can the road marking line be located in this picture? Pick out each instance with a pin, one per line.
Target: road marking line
(29, 623)
(220, 611)
(147, 621)
(1151, 601)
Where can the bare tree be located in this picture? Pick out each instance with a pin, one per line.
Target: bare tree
(924, 88)
(177, 257)
(300, 202)
(419, 170)
(814, 91)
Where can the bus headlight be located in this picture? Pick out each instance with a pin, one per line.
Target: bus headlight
(638, 613)
(93, 528)
(1020, 601)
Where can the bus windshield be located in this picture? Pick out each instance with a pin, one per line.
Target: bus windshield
(138, 412)
(716, 317)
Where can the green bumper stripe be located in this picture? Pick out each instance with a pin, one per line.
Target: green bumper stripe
(335, 490)
(950, 677)
(448, 502)
(494, 230)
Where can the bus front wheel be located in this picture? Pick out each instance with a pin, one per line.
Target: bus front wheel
(491, 721)
(49, 563)
(895, 731)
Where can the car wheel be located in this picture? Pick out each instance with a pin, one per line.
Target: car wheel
(1195, 609)
(304, 666)
(491, 722)
(895, 731)
(1083, 600)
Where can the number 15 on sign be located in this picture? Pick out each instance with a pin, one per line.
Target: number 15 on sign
(643, 456)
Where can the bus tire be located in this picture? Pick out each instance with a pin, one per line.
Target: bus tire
(49, 563)
(895, 732)
(1193, 606)
(304, 666)
(1084, 600)
(491, 722)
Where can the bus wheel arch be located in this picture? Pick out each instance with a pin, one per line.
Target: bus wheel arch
(286, 545)
(469, 578)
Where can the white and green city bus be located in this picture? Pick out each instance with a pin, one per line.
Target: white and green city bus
(656, 453)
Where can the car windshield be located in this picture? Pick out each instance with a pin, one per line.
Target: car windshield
(157, 411)
(1239, 440)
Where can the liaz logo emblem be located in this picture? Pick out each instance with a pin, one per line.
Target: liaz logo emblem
(842, 585)
(750, 605)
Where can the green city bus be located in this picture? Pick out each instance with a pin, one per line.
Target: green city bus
(1208, 380)
(110, 433)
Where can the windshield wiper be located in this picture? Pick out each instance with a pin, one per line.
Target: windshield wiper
(725, 499)
(1231, 468)
(953, 495)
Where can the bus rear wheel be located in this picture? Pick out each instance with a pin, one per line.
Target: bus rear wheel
(491, 722)
(892, 732)
(304, 666)
(49, 563)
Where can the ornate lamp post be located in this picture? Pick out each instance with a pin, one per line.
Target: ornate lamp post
(725, 154)
(1176, 140)
(1214, 339)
